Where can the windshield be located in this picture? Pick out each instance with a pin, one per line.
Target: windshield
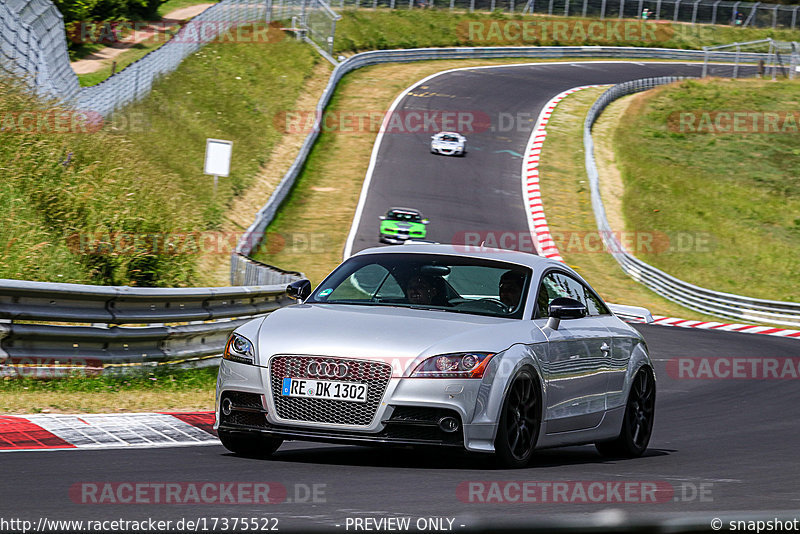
(403, 216)
(428, 281)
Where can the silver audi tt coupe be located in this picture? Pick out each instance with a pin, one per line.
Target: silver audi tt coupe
(491, 351)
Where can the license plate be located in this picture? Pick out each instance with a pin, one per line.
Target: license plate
(324, 389)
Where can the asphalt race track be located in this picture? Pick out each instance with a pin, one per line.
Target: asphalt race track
(480, 192)
(721, 447)
(736, 440)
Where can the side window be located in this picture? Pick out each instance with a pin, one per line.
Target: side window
(594, 306)
(555, 285)
(362, 285)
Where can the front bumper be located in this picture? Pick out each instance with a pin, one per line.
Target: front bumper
(397, 239)
(457, 151)
(409, 413)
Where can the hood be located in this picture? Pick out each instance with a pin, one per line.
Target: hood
(373, 332)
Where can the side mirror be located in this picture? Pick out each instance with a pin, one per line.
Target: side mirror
(299, 290)
(433, 137)
(382, 217)
(564, 308)
(425, 221)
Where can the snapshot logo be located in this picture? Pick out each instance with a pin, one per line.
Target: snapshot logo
(734, 122)
(366, 121)
(573, 31)
(733, 368)
(156, 32)
(247, 493)
(581, 491)
(587, 242)
(183, 243)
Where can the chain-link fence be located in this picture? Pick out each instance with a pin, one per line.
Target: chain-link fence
(783, 58)
(33, 47)
(312, 19)
(740, 14)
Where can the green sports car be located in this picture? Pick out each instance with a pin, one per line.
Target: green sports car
(402, 224)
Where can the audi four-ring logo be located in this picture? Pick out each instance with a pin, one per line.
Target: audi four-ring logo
(327, 369)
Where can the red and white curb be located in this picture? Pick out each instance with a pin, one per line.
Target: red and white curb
(727, 327)
(537, 223)
(105, 431)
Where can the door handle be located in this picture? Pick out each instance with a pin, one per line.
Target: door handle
(604, 347)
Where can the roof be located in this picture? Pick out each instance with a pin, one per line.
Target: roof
(470, 251)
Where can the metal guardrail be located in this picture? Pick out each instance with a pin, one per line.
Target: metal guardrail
(694, 297)
(245, 270)
(112, 327)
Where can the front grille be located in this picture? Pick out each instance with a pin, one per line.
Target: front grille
(375, 374)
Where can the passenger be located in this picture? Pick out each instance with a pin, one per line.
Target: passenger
(427, 290)
(510, 290)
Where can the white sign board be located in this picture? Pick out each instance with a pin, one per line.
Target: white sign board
(218, 157)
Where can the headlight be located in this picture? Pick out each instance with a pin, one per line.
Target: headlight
(239, 349)
(459, 365)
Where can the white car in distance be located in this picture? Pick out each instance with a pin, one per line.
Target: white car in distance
(449, 144)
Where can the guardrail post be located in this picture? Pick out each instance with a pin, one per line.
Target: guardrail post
(794, 16)
(583, 11)
(658, 9)
(714, 12)
(471, 6)
(694, 11)
(677, 10)
(511, 6)
(566, 8)
(603, 10)
(736, 63)
(705, 62)
(774, 17)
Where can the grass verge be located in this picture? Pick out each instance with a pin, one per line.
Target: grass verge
(157, 390)
(739, 192)
(567, 202)
(100, 207)
(381, 29)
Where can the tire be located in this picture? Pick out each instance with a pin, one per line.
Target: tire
(637, 424)
(520, 418)
(250, 446)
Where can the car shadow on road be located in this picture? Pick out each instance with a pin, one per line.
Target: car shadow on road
(421, 458)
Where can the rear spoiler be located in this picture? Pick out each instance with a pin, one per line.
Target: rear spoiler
(635, 314)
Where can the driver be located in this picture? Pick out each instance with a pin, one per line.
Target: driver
(510, 290)
(426, 289)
